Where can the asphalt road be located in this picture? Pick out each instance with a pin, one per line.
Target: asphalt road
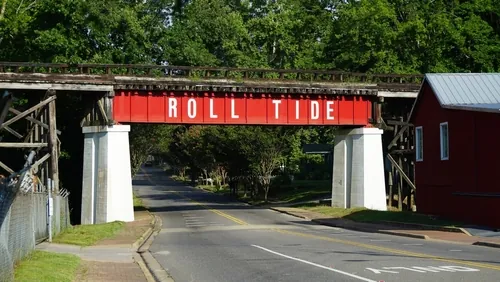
(207, 237)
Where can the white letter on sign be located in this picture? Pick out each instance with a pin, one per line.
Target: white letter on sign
(296, 109)
(233, 114)
(276, 108)
(212, 115)
(172, 107)
(191, 108)
(314, 110)
(329, 109)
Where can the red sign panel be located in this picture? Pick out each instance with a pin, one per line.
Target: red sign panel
(240, 108)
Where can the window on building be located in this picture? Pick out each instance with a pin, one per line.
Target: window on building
(419, 143)
(443, 137)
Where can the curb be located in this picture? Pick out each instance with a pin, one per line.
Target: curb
(153, 271)
(486, 244)
(289, 213)
(427, 227)
(145, 235)
(362, 229)
(372, 230)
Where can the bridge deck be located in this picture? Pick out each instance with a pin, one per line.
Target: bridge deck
(177, 78)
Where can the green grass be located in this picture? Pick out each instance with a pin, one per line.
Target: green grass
(88, 235)
(300, 190)
(304, 190)
(138, 204)
(372, 216)
(44, 266)
(213, 188)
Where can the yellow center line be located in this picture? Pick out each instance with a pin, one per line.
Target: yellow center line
(345, 242)
(223, 214)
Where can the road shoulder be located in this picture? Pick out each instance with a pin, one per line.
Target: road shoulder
(437, 235)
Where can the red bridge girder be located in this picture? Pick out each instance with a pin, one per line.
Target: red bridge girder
(238, 108)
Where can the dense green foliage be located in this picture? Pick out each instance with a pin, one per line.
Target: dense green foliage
(245, 155)
(384, 36)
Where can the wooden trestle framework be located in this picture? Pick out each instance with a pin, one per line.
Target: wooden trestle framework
(39, 140)
(398, 140)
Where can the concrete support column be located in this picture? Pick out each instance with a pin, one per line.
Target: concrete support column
(358, 169)
(107, 180)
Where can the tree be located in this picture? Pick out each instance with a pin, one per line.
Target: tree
(146, 139)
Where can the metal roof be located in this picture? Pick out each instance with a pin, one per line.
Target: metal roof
(465, 88)
(465, 91)
(494, 108)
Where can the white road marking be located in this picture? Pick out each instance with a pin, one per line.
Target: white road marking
(424, 269)
(455, 250)
(195, 224)
(414, 244)
(315, 264)
(191, 220)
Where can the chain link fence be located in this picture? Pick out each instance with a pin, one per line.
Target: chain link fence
(23, 223)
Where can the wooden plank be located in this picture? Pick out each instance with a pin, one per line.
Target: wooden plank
(405, 177)
(58, 84)
(5, 102)
(397, 122)
(399, 135)
(22, 145)
(38, 131)
(4, 166)
(28, 111)
(35, 121)
(102, 111)
(13, 132)
(41, 160)
(402, 151)
(53, 146)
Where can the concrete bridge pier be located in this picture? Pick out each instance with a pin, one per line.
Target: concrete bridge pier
(358, 169)
(107, 180)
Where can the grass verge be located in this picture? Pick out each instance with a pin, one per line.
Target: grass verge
(88, 235)
(45, 266)
(303, 190)
(297, 192)
(373, 216)
(138, 204)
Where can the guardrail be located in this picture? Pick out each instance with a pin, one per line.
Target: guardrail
(390, 80)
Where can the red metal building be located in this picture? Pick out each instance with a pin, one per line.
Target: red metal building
(457, 142)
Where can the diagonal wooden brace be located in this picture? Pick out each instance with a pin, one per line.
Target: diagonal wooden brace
(28, 111)
(35, 121)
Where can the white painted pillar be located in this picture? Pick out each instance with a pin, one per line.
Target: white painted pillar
(107, 180)
(358, 169)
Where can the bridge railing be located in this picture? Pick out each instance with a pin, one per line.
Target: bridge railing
(194, 72)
